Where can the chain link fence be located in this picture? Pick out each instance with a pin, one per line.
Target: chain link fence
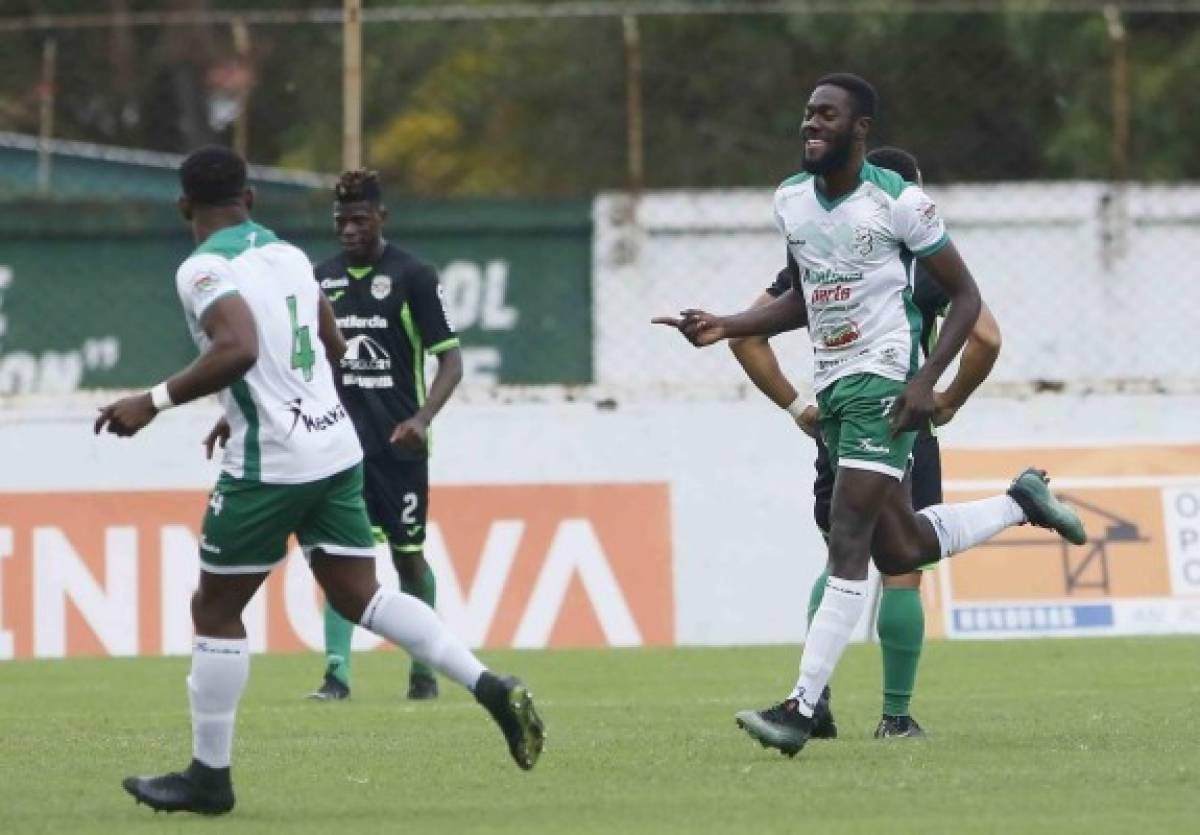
(618, 163)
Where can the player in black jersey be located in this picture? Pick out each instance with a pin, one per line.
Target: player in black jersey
(391, 316)
(901, 621)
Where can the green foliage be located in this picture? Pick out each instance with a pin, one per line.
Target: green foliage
(539, 107)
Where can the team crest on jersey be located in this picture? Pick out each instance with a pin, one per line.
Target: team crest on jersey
(381, 286)
(204, 284)
(928, 212)
(864, 241)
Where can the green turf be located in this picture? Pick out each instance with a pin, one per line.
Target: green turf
(1046, 736)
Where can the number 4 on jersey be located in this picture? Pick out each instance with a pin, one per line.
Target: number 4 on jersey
(303, 356)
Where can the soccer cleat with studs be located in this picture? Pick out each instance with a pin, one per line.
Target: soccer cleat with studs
(780, 726)
(198, 788)
(331, 690)
(896, 727)
(422, 687)
(1031, 491)
(823, 725)
(511, 704)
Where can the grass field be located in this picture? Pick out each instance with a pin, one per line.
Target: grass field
(1040, 736)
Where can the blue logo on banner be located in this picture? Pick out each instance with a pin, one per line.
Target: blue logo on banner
(1032, 618)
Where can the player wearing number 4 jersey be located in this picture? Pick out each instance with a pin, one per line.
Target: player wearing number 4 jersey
(292, 466)
(850, 228)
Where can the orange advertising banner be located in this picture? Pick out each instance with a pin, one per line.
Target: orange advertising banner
(111, 573)
(1139, 572)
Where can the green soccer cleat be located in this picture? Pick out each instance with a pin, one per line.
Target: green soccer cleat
(780, 726)
(1031, 491)
(198, 788)
(511, 704)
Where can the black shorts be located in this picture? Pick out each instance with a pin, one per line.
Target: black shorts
(397, 494)
(925, 474)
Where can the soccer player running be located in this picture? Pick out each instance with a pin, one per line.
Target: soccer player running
(850, 227)
(292, 465)
(901, 621)
(388, 309)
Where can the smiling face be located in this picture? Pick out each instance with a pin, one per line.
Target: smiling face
(831, 129)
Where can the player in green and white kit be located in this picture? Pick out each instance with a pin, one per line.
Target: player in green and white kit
(852, 230)
(292, 465)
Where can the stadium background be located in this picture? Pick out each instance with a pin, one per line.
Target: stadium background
(573, 169)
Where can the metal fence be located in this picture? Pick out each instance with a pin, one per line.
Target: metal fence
(1057, 137)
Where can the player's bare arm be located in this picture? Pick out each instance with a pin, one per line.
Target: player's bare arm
(329, 332)
(412, 432)
(758, 360)
(978, 357)
(916, 404)
(232, 351)
(786, 313)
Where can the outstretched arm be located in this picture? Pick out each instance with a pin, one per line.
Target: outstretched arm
(786, 313)
(978, 357)
(232, 351)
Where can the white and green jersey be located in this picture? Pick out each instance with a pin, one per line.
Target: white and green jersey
(853, 256)
(287, 424)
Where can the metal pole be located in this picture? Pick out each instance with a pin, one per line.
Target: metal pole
(46, 113)
(352, 85)
(633, 105)
(1120, 93)
(241, 126)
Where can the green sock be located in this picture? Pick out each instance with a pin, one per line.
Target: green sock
(901, 628)
(338, 632)
(814, 596)
(424, 588)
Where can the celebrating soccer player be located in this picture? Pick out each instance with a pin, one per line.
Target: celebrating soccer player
(850, 228)
(901, 621)
(292, 465)
(389, 311)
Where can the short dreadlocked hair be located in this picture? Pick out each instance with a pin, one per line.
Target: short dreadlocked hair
(358, 186)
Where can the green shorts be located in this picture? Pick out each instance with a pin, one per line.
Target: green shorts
(854, 425)
(247, 525)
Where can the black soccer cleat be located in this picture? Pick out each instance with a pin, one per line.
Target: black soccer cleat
(422, 687)
(894, 727)
(780, 726)
(198, 788)
(511, 704)
(1031, 490)
(823, 725)
(331, 690)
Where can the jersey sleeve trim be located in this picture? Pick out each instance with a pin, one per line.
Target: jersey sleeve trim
(444, 345)
(935, 247)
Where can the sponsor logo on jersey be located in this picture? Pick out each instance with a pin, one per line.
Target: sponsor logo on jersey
(375, 322)
(864, 241)
(204, 284)
(837, 293)
(928, 212)
(330, 283)
(812, 276)
(313, 423)
(839, 335)
(365, 382)
(365, 354)
(381, 286)
(336, 294)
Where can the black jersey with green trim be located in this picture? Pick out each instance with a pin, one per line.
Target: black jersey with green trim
(391, 315)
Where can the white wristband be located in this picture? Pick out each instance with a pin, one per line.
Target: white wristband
(161, 398)
(803, 401)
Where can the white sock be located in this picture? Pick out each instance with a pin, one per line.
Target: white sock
(840, 609)
(220, 668)
(408, 622)
(966, 524)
